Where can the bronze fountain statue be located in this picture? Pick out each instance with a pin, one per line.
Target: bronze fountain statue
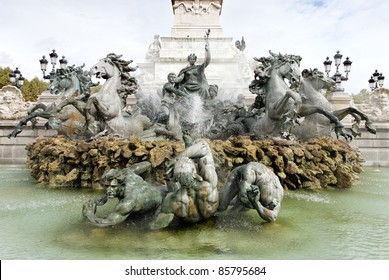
(195, 185)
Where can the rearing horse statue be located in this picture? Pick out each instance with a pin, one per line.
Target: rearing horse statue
(68, 83)
(283, 105)
(312, 82)
(108, 105)
(104, 111)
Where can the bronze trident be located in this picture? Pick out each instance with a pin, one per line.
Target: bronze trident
(207, 33)
(207, 36)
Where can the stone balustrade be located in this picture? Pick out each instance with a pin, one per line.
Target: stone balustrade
(12, 150)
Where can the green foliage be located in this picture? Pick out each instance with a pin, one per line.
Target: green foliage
(4, 76)
(361, 97)
(30, 89)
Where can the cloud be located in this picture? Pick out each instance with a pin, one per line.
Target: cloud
(85, 31)
(5, 59)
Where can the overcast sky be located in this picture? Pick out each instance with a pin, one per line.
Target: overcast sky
(87, 30)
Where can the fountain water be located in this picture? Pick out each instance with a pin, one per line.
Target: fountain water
(41, 223)
(193, 115)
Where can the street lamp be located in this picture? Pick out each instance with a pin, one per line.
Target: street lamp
(53, 60)
(376, 80)
(17, 78)
(338, 77)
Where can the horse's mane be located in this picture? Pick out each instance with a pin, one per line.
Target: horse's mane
(129, 84)
(315, 73)
(68, 73)
(82, 76)
(277, 60)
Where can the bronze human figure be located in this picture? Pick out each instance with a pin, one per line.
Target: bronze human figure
(254, 186)
(132, 191)
(192, 78)
(193, 195)
(169, 97)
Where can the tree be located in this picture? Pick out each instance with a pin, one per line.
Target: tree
(361, 97)
(32, 89)
(4, 76)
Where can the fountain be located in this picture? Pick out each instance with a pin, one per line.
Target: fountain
(197, 144)
(193, 171)
(191, 159)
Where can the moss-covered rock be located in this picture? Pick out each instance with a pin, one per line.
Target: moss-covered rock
(319, 163)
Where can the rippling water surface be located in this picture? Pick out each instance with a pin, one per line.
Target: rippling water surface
(42, 223)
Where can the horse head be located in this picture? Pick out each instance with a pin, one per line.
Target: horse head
(113, 66)
(107, 67)
(317, 79)
(62, 82)
(288, 67)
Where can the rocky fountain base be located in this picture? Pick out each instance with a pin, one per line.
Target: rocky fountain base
(318, 163)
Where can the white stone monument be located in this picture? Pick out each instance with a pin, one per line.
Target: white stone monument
(12, 104)
(228, 68)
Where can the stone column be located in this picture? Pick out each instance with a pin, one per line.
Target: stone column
(193, 18)
(340, 99)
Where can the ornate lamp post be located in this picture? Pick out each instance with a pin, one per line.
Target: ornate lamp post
(16, 78)
(53, 60)
(376, 80)
(338, 77)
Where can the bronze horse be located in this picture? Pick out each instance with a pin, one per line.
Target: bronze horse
(284, 105)
(312, 82)
(68, 83)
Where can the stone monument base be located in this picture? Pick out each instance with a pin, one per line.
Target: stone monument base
(13, 150)
(374, 148)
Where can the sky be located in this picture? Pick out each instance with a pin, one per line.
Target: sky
(86, 30)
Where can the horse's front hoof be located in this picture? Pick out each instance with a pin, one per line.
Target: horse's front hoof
(370, 128)
(355, 132)
(348, 137)
(14, 133)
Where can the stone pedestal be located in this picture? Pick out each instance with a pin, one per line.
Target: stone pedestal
(374, 147)
(191, 18)
(340, 99)
(228, 68)
(47, 98)
(13, 150)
